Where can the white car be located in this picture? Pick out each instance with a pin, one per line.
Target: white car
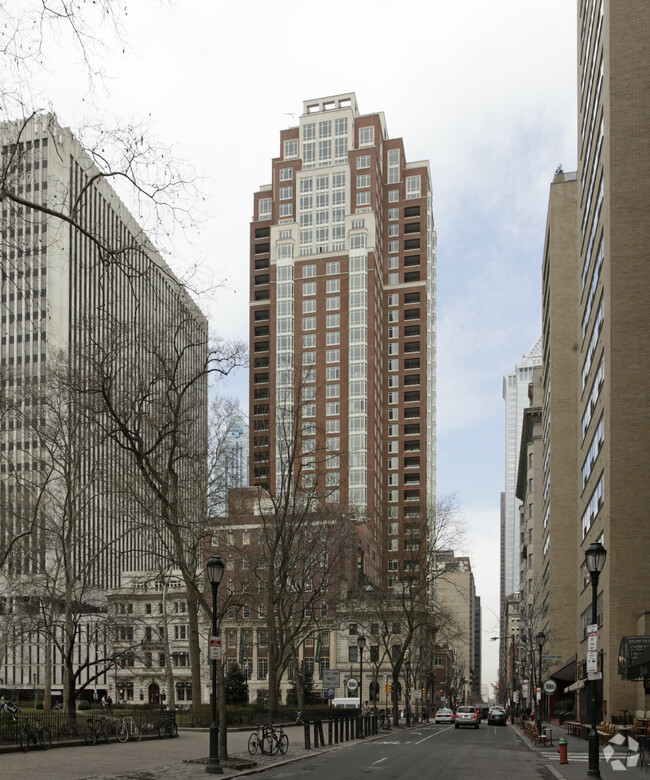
(444, 716)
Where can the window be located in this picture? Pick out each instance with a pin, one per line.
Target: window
(363, 181)
(309, 323)
(333, 321)
(363, 198)
(413, 187)
(333, 267)
(333, 303)
(262, 668)
(309, 358)
(333, 356)
(308, 270)
(309, 288)
(309, 340)
(265, 208)
(393, 166)
(333, 285)
(333, 373)
(286, 174)
(286, 193)
(332, 391)
(286, 209)
(291, 149)
(332, 408)
(333, 338)
(366, 136)
(309, 307)
(363, 161)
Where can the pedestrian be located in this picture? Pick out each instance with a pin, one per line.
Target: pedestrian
(109, 703)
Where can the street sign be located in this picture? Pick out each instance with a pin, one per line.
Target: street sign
(552, 657)
(550, 686)
(592, 662)
(215, 648)
(330, 693)
(331, 678)
(352, 684)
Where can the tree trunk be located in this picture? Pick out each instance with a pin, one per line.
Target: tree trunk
(298, 672)
(47, 687)
(195, 648)
(273, 679)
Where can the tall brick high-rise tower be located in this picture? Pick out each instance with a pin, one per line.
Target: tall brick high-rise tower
(342, 324)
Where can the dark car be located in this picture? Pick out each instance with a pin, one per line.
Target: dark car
(496, 716)
(484, 712)
(467, 716)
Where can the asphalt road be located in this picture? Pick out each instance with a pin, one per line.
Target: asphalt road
(429, 751)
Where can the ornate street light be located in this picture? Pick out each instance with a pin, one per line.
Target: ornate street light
(214, 569)
(361, 643)
(595, 556)
(540, 638)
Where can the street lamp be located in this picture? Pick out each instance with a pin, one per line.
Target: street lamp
(407, 666)
(214, 569)
(540, 638)
(361, 643)
(595, 556)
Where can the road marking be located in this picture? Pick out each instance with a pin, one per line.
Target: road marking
(379, 762)
(433, 734)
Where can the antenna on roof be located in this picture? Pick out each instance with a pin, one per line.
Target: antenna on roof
(293, 117)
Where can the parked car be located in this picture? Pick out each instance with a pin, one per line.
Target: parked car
(444, 715)
(497, 716)
(467, 716)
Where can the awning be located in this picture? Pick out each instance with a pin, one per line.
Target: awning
(575, 686)
(634, 657)
(566, 673)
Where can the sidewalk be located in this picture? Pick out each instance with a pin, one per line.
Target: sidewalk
(613, 759)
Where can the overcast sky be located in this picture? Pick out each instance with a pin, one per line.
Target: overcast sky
(484, 91)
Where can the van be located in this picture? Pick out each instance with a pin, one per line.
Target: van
(347, 703)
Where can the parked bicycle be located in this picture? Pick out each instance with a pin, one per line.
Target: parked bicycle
(127, 728)
(268, 740)
(299, 720)
(35, 735)
(167, 726)
(96, 729)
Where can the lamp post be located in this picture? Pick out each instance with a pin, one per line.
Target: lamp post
(407, 666)
(361, 643)
(540, 638)
(595, 556)
(214, 569)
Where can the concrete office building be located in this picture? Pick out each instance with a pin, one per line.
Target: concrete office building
(555, 503)
(515, 395)
(596, 356)
(342, 326)
(77, 289)
(614, 329)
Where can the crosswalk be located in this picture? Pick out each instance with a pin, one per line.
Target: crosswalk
(573, 757)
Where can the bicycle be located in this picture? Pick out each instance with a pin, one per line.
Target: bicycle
(127, 728)
(168, 726)
(35, 735)
(268, 740)
(96, 729)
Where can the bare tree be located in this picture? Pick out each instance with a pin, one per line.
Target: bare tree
(407, 614)
(149, 396)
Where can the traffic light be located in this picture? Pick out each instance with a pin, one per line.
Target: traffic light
(389, 687)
